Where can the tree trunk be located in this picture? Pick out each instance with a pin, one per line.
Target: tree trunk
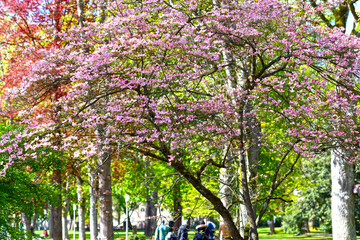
(81, 208)
(104, 163)
(65, 213)
(218, 205)
(151, 200)
(243, 221)
(65, 231)
(56, 210)
(27, 222)
(253, 235)
(80, 11)
(239, 80)
(342, 198)
(93, 199)
(105, 195)
(227, 175)
(150, 211)
(71, 224)
(34, 220)
(253, 156)
(177, 206)
(50, 224)
(305, 226)
(101, 10)
(248, 164)
(272, 226)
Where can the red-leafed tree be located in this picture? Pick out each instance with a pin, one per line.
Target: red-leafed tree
(28, 28)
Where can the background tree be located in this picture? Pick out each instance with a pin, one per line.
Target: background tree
(313, 199)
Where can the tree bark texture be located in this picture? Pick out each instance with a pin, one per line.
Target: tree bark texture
(27, 222)
(80, 11)
(34, 220)
(105, 194)
(342, 198)
(93, 200)
(56, 209)
(305, 226)
(272, 226)
(150, 211)
(177, 206)
(151, 200)
(81, 208)
(227, 182)
(253, 235)
(65, 212)
(50, 225)
(101, 10)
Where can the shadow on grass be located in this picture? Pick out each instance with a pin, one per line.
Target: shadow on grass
(280, 235)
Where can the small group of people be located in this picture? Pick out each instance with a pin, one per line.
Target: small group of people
(205, 231)
(165, 232)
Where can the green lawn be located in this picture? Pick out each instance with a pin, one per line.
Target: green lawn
(263, 234)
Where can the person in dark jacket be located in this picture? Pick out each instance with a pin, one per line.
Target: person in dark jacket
(211, 227)
(203, 232)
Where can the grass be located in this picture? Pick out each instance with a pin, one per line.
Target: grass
(280, 235)
(263, 235)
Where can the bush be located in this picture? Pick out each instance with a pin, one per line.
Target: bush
(293, 220)
(138, 237)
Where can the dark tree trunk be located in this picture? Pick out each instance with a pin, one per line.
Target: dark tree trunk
(272, 226)
(151, 200)
(56, 210)
(177, 206)
(305, 226)
(105, 195)
(150, 212)
(218, 205)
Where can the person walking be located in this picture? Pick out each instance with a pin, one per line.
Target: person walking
(183, 232)
(171, 235)
(161, 231)
(211, 226)
(203, 232)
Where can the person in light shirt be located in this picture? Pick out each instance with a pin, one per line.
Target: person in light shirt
(161, 231)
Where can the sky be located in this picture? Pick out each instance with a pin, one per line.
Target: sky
(350, 22)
